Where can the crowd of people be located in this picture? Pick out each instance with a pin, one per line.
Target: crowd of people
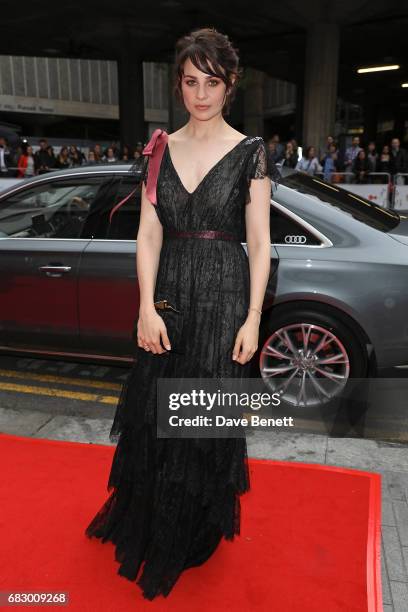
(352, 164)
(24, 162)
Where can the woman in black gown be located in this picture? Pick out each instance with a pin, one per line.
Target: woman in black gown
(172, 500)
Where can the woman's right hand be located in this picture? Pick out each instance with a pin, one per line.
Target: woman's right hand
(150, 328)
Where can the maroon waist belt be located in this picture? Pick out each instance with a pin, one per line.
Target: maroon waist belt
(212, 234)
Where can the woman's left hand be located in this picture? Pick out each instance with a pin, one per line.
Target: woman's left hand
(246, 343)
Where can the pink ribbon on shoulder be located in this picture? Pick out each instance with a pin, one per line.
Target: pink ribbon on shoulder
(155, 149)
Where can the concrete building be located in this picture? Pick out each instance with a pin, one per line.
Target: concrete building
(79, 98)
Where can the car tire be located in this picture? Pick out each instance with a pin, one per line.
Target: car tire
(343, 345)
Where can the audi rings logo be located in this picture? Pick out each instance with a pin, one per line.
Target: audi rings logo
(295, 239)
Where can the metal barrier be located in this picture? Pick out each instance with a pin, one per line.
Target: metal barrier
(400, 194)
(389, 193)
(9, 178)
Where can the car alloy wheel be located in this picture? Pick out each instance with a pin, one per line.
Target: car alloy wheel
(306, 363)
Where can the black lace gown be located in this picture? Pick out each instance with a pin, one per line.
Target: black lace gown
(172, 500)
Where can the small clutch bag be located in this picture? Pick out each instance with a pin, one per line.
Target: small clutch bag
(174, 321)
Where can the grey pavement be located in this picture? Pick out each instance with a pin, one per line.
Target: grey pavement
(388, 459)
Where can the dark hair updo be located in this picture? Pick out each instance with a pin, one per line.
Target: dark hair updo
(207, 47)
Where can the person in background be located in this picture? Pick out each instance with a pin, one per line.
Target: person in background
(26, 166)
(372, 156)
(75, 155)
(290, 157)
(98, 152)
(295, 145)
(63, 159)
(330, 163)
(6, 158)
(326, 149)
(280, 148)
(53, 159)
(309, 162)
(351, 154)
(116, 150)
(110, 156)
(43, 161)
(92, 161)
(139, 147)
(125, 154)
(384, 160)
(361, 167)
(398, 161)
(273, 150)
(137, 160)
(16, 153)
(82, 155)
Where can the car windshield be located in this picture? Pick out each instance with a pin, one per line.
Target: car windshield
(355, 205)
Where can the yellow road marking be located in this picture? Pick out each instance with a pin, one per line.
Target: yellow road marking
(61, 379)
(86, 397)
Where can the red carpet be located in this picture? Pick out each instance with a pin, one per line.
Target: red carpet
(310, 537)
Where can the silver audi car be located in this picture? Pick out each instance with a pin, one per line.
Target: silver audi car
(336, 305)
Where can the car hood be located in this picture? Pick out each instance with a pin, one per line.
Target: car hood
(400, 232)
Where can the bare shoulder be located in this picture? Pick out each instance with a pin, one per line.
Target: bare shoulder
(236, 135)
(176, 136)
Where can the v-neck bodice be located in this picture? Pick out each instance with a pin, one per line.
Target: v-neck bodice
(207, 174)
(218, 201)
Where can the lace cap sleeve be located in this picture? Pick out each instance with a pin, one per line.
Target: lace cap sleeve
(261, 164)
(142, 168)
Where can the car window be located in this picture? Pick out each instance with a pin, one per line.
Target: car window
(55, 209)
(348, 203)
(125, 220)
(285, 230)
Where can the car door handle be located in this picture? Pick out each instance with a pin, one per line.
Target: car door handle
(55, 271)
